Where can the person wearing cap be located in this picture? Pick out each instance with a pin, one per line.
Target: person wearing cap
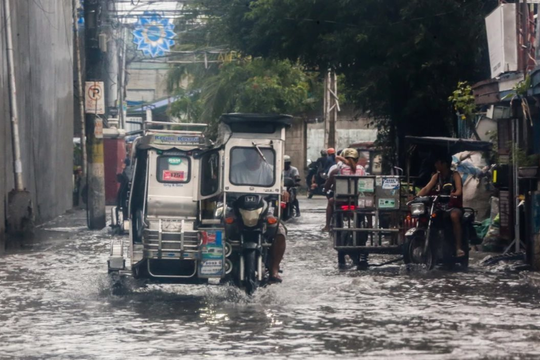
(293, 173)
(330, 160)
(350, 167)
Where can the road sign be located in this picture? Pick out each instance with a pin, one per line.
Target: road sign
(94, 97)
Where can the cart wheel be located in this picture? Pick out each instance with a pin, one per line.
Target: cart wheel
(341, 260)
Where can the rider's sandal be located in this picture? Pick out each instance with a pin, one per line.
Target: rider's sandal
(460, 253)
(275, 280)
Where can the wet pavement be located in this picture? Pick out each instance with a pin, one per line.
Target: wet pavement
(56, 302)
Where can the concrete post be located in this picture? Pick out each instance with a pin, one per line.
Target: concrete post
(94, 117)
(20, 211)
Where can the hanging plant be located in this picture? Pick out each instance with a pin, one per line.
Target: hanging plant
(463, 101)
(520, 91)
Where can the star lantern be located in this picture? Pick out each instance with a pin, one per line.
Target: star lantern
(153, 34)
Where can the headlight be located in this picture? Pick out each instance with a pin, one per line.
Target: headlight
(250, 217)
(418, 209)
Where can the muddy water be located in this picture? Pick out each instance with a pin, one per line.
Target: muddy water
(55, 302)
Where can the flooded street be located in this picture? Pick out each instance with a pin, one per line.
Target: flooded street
(56, 302)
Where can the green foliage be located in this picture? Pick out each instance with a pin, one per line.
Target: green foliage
(401, 59)
(247, 85)
(463, 100)
(520, 89)
(236, 83)
(525, 160)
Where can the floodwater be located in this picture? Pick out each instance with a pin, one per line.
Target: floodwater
(56, 302)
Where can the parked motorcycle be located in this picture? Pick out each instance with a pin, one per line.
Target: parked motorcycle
(432, 241)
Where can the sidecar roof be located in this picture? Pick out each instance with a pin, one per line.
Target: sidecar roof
(243, 122)
(452, 145)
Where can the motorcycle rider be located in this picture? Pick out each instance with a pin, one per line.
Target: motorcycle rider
(445, 175)
(293, 173)
(351, 166)
(320, 166)
(255, 171)
(331, 159)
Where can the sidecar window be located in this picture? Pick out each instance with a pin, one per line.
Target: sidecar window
(173, 169)
(210, 173)
(249, 168)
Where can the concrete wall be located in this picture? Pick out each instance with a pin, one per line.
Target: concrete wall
(43, 46)
(146, 82)
(295, 144)
(305, 139)
(350, 129)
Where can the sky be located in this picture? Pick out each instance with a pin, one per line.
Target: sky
(145, 5)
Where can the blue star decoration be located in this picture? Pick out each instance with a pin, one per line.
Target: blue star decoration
(153, 34)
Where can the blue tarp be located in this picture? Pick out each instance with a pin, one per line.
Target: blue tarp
(156, 104)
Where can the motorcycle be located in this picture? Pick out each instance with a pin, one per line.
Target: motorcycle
(319, 188)
(432, 241)
(288, 210)
(253, 151)
(251, 227)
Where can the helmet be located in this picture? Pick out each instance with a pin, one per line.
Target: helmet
(323, 152)
(287, 158)
(350, 153)
(331, 151)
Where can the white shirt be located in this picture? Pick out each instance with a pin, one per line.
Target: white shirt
(291, 173)
(339, 165)
(242, 175)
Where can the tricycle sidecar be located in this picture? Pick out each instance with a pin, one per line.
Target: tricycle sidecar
(171, 234)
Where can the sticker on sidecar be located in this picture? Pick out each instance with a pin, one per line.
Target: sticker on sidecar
(212, 251)
(366, 185)
(387, 203)
(390, 184)
(211, 268)
(175, 161)
(172, 175)
(176, 140)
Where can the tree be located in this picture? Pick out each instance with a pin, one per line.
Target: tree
(247, 85)
(401, 59)
(237, 83)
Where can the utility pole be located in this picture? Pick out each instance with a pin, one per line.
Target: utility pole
(95, 112)
(111, 80)
(331, 109)
(122, 80)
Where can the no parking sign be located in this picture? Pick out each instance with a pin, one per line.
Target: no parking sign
(94, 95)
